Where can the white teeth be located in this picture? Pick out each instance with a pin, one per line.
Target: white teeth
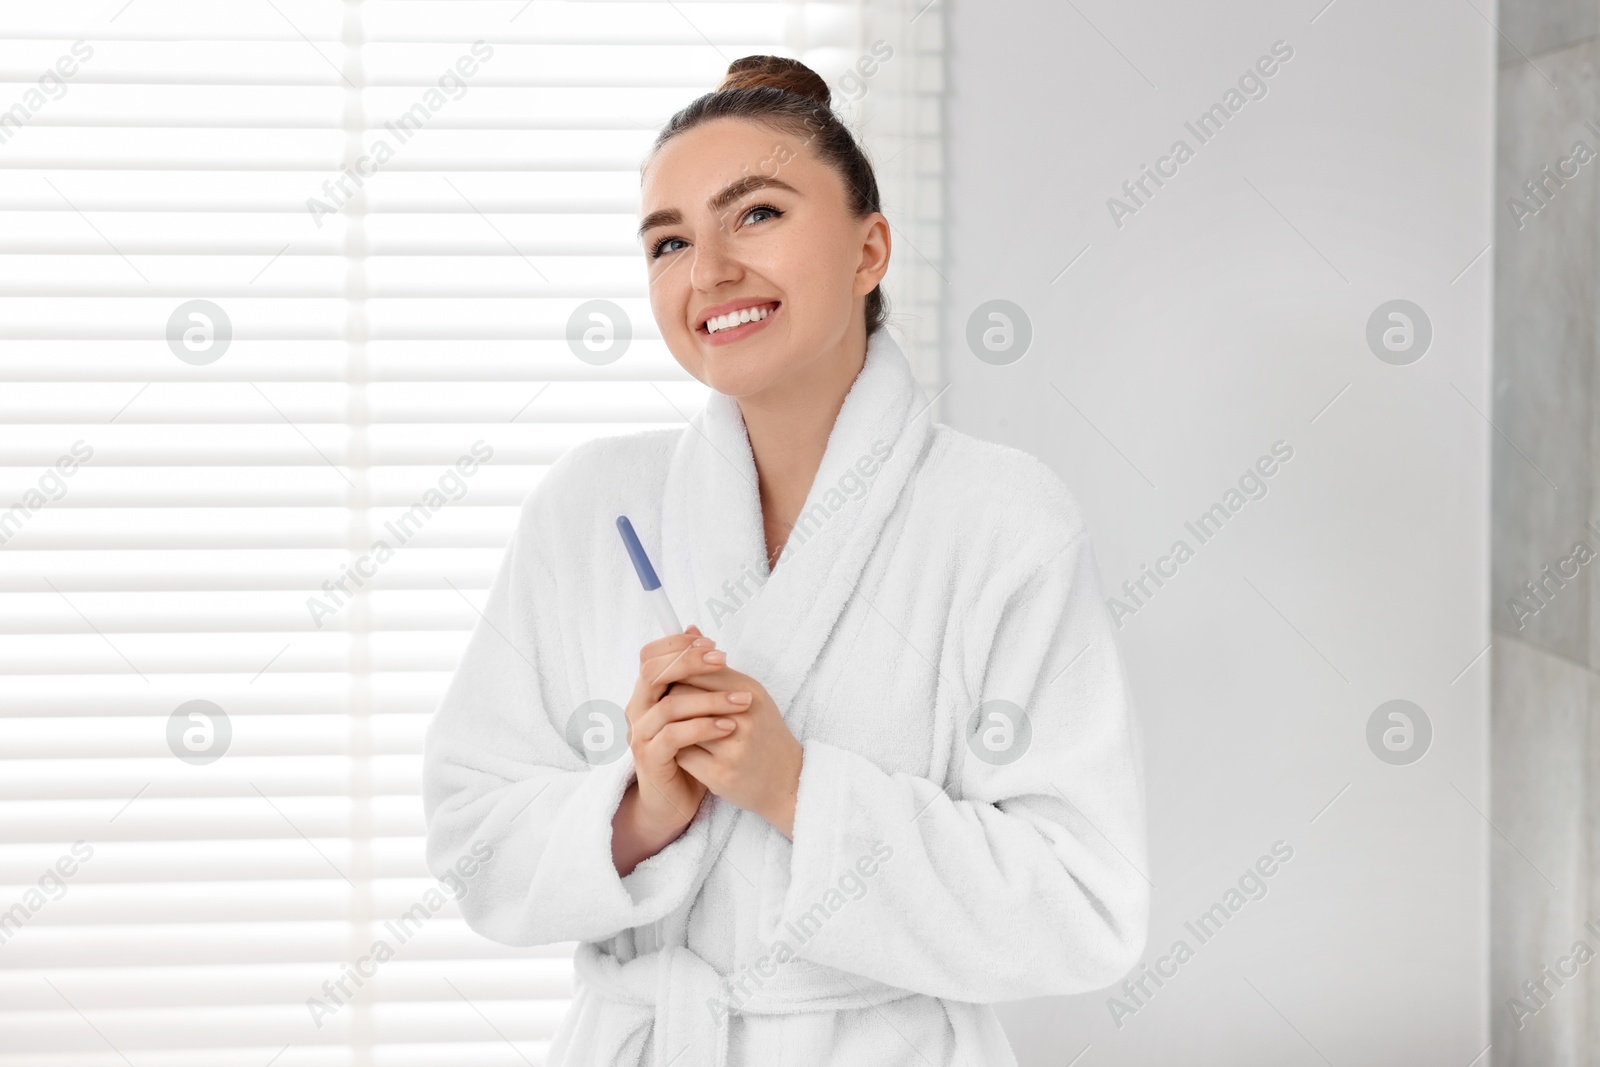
(735, 318)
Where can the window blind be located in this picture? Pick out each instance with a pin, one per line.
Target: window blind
(280, 283)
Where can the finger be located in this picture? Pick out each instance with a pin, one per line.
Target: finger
(694, 659)
(723, 679)
(698, 761)
(669, 645)
(646, 688)
(687, 702)
(679, 735)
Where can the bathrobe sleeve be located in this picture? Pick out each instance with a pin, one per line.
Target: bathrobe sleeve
(1029, 884)
(500, 780)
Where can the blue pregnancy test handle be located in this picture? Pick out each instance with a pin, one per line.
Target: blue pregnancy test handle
(656, 596)
(641, 562)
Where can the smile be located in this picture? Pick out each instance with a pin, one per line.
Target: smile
(736, 325)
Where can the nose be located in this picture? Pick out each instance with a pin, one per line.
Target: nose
(713, 262)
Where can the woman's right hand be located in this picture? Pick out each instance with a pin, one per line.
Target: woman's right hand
(661, 720)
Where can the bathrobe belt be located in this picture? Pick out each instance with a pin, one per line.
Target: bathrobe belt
(680, 994)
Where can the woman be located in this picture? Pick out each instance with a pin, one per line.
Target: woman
(896, 777)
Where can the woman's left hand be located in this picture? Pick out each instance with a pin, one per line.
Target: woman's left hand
(757, 766)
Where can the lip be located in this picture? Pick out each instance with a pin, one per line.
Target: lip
(736, 333)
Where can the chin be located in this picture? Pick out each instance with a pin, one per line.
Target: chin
(737, 381)
(738, 373)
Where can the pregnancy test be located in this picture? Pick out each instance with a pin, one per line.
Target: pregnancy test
(659, 604)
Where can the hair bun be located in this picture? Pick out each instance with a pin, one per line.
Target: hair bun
(776, 72)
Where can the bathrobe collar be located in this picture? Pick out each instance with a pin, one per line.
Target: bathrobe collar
(712, 537)
(774, 628)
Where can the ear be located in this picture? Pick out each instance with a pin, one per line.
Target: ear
(876, 243)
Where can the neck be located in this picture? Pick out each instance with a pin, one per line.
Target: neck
(789, 425)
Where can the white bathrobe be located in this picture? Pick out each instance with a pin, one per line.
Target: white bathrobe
(948, 852)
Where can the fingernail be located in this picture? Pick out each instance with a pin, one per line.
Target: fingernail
(700, 642)
(741, 697)
(724, 724)
(715, 656)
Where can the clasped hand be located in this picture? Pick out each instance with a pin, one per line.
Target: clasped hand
(696, 724)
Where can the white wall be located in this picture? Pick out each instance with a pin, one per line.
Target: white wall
(1203, 330)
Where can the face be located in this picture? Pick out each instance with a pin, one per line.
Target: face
(739, 217)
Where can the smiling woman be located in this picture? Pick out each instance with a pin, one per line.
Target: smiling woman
(826, 724)
(794, 253)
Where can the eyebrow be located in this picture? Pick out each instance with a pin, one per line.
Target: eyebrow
(730, 194)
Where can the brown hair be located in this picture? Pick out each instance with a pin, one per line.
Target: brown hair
(789, 96)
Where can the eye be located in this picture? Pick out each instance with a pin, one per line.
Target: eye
(655, 250)
(768, 208)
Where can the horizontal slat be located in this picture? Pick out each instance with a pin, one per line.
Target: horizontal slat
(457, 523)
(431, 20)
(313, 242)
(427, 20)
(216, 404)
(326, 858)
(104, 189)
(304, 273)
(60, 150)
(681, 62)
(545, 359)
(307, 444)
(475, 104)
(88, 904)
(193, 820)
(155, 569)
(533, 973)
(234, 776)
(493, 484)
(156, 818)
(272, 693)
(166, 611)
(36, 947)
(493, 1052)
(97, 904)
(134, 737)
(137, 1032)
(141, 655)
